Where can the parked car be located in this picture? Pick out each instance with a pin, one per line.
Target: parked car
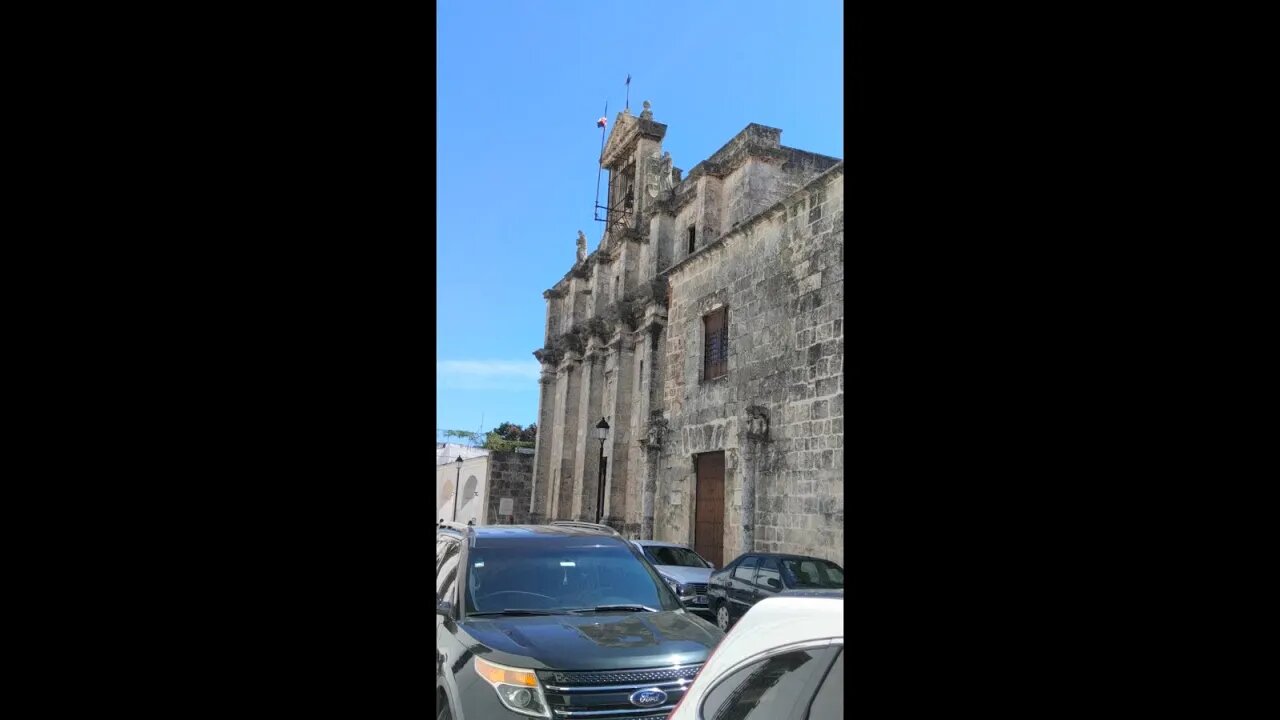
(783, 661)
(685, 572)
(559, 620)
(755, 576)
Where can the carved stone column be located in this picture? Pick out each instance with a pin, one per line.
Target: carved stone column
(756, 455)
(655, 432)
(542, 455)
(586, 457)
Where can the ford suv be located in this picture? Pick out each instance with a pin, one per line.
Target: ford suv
(565, 620)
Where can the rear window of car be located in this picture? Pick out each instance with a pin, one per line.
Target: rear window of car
(682, 557)
(813, 573)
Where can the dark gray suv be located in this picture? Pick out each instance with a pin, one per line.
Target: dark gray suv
(565, 620)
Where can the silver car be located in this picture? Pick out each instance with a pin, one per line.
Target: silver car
(685, 572)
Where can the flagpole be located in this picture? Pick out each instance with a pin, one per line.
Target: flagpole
(628, 91)
(601, 170)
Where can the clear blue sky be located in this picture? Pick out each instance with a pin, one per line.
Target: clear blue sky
(520, 86)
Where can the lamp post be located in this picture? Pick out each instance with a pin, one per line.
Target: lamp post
(457, 489)
(602, 432)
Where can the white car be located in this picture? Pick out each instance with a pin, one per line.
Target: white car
(685, 572)
(784, 660)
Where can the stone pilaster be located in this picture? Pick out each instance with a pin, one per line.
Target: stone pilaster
(540, 492)
(568, 386)
(619, 445)
(586, 457)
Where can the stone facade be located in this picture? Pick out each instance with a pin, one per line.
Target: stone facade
(756, 230)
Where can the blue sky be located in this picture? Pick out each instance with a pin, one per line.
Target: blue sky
(520, 85)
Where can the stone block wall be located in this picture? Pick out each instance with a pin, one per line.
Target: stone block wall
(510, 476)
(780, 276)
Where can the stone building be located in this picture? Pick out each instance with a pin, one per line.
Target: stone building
(707, 329)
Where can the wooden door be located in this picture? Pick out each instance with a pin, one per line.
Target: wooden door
(708, 527)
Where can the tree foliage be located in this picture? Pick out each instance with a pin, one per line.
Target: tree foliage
(508, 436)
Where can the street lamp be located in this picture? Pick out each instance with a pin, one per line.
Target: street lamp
(602, 432)
(457, 489)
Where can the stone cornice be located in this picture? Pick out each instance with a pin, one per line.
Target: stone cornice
(781, 206)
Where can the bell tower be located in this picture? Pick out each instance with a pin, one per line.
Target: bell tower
(633, 157)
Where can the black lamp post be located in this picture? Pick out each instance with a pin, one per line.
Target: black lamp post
(457, 489)
(602, 432)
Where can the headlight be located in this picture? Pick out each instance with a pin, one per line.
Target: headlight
(518, 689)
(675, 586)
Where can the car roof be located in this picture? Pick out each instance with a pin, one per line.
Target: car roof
(813, 592)
(777, 621)
(659, 543)
(490, 535)
(784, 556)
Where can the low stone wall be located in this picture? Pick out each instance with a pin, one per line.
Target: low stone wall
(510, 476)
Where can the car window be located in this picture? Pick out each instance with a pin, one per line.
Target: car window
(775, 688)
(539, 576)
(447, 574)
(828, 702)
(682, 557)
(768, 570)
(746, 569)
(813, 573)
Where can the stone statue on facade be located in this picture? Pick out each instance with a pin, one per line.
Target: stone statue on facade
(582, 246)
(757, 423)
(659, 177)
(666, 179)
(657, 428)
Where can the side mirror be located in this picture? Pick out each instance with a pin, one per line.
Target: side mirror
(444, 608)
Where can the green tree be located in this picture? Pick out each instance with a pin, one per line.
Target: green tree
(508, 436)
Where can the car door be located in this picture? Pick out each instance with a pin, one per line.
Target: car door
(742, 586)
(718, 584)
(768, 579)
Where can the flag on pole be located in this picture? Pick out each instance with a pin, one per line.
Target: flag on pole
(600, 123)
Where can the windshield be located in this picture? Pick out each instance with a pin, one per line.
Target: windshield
(684, 557)
(561, 577)
(815, 573)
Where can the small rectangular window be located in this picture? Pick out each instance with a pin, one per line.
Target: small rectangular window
(692, 237)
(715, 353)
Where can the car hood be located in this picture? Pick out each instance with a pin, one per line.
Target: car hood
(594, 641)
(682, 574)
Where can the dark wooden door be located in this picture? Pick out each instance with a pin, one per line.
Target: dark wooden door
(708, 526)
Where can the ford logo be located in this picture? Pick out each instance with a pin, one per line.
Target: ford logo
(648, 698)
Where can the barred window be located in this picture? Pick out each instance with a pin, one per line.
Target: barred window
(715, 356)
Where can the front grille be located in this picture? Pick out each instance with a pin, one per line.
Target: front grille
(605, 694)
(697, 588)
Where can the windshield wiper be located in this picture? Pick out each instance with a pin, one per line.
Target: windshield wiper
(516, 611)
(604, 608)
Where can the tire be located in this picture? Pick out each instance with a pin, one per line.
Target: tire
(443, 713)
(722, 618)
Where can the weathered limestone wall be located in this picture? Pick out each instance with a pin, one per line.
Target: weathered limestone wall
(781, 276)
(769, 248)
